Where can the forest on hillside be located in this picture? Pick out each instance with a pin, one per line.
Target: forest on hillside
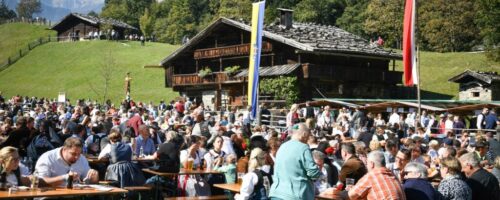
(443, 25)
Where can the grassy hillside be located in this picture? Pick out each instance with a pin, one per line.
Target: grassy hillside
(14, 36)
(77, 67)
(437, 68)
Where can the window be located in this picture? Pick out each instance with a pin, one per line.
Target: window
(475, 94)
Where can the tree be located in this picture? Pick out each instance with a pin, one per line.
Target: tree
(447, 26)
(5, 12)
(180, 22)
(353, 18)
(93, 14)
(323, 12)
(107, 68)
(128, 11)
(239, 9)
(26, 8)
(147, 22)
(488, 18)
(385, 18)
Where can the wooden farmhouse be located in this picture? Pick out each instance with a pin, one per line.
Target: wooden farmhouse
(328, 62)
(81, 26)
(478, 86)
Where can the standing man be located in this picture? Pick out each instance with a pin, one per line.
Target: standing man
(294, 168)
(481, 119)
(55, 166)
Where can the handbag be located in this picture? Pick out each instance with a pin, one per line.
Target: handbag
(193, 185)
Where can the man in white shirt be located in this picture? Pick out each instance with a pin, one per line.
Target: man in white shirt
(394, 118)
(55, 166)
(481, 119)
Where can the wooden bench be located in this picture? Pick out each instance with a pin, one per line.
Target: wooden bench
(215, 197)
(138, 188)
(142, 192)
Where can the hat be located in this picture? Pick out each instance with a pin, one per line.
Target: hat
(2, 112)
(482, 143)
(237, 123)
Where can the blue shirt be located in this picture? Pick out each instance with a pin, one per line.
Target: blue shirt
(419, 189)
(294, 172)
(147, 145)
(51, 164)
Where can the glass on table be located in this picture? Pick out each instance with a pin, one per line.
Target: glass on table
(349, 182)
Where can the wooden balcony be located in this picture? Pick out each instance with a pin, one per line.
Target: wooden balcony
(214, 78)
(234, 50)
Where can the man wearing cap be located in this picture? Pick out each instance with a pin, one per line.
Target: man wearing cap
(485, 156)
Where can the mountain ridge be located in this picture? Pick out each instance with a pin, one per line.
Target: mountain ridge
(55, 10)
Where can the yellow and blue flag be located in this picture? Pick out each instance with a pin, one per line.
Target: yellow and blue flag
(255, 49)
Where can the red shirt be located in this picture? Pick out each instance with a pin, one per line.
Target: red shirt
(377, 184)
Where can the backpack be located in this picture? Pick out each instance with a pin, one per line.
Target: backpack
(205, 131)
(260, 192)
(39, 145)
(95, 146)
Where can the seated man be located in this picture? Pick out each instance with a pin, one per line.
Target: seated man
(378, 183)
(55, 166)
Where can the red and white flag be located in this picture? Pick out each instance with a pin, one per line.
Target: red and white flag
(409, 53)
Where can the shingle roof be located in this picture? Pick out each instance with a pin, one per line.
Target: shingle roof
(275, 70)
(97, 21)
(486, 77)
(307, 37)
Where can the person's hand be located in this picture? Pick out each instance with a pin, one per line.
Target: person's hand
(90, 175)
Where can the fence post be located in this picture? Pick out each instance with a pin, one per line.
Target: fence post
(29, 47)
(20, 53)
(8, 60)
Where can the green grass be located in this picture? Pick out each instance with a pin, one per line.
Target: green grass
(437, 68)
(76, 67)
(14, 36)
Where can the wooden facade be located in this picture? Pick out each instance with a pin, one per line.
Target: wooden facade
(79, 26)
(226, 43)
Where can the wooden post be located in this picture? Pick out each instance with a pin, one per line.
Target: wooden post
(8, 61)
(20, 53)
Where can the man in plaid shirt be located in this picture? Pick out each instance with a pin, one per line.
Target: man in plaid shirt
(378, 183)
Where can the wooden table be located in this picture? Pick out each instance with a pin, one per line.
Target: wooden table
(233, 187)
(59, 192)
(95, 160)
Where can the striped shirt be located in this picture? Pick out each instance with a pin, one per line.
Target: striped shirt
(378, 184)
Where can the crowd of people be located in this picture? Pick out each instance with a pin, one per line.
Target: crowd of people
(344, 153)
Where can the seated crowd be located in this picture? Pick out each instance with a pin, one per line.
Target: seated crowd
(341, 153)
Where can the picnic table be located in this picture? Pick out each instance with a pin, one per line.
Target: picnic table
(233, 187)
(61, 192)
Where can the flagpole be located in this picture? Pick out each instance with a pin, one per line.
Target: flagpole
(418, 60)
(418, 83)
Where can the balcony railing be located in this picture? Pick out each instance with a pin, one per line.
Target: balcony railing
(194, 79)
(234, 50)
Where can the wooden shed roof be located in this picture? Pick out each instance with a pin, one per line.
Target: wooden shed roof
(468, 75)
(307, 37)
(93, 20)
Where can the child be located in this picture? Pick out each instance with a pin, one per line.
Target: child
(229, 169)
